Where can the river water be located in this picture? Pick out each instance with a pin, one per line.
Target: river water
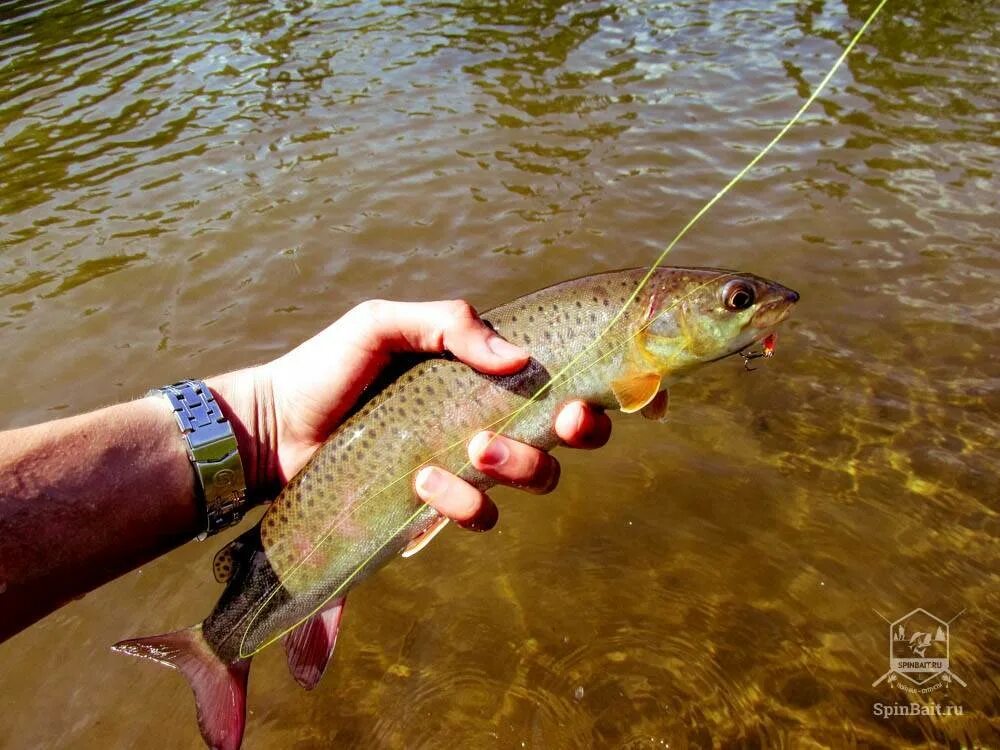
(189, 187)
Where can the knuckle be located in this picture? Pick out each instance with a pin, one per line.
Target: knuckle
(370, 311)
(460, 312)
(455, 318)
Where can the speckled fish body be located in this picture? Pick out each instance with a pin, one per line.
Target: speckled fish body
(353, 507)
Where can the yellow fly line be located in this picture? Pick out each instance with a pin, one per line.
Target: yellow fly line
(561, 374)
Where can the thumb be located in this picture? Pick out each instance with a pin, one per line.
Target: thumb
(452, 325)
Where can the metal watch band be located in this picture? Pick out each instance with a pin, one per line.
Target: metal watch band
(213, 451)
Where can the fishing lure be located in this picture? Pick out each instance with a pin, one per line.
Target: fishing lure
(766, 350)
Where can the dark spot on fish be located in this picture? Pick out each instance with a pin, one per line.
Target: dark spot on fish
(430, 391)
(548, 335)
(541, 308)
(593, 317)
(283, 518)
(579, 304)
(420, 402)
(527, 339)
(513, 318)
(606, 302)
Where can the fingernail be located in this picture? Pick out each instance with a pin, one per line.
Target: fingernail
(503, 348)
(429, 481)
(493, 452)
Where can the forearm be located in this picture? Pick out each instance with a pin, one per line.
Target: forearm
(85, 499)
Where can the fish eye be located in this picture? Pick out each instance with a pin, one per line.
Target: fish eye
(738, 295)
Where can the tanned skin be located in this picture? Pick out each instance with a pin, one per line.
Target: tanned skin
(90, 497)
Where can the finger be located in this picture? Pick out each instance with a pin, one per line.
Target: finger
(514, 463)
(456, 499)
(581, 425)
(438, 326)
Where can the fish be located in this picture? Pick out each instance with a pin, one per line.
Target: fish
(352, 508)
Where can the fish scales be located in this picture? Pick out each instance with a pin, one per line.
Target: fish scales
(353, 508)
(358, 487)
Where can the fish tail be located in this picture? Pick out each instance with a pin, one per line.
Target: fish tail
(220, 689)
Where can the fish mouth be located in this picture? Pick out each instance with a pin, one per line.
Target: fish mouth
(770, 314)
(766, 319)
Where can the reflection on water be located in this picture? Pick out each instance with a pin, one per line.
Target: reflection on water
(187, 187)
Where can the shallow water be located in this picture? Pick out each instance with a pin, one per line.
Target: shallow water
(188, 187)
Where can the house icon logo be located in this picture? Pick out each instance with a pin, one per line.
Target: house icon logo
(920, 651)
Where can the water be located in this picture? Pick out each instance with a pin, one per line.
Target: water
(190, 187)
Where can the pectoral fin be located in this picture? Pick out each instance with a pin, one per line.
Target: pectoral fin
(656, 409)
(635, 390)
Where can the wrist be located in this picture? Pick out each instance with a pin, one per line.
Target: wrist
(246, 399)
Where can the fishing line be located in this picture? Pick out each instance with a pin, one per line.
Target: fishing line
(253, 614)
(555, 379)
(702, 211)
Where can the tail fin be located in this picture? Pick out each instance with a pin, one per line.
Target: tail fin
(220, 689)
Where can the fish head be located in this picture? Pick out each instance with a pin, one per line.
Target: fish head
(696, 316)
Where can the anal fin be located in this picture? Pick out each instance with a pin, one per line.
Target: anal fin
(310, 646)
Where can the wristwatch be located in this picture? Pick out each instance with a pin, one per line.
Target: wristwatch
(213, 451)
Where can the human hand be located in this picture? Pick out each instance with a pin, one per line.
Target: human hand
(282, 411)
